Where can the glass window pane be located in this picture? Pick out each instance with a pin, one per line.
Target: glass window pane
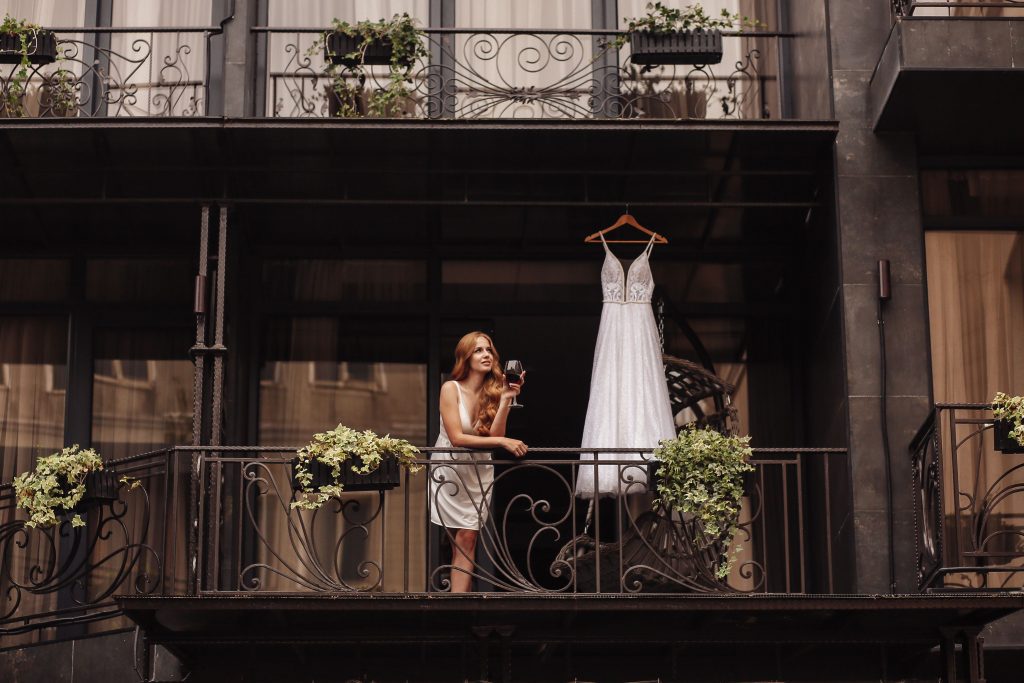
(142, 390)
(568, 14)
(364, 281)
(33, 374)
(151, 281)
(34, 279)
(368, 374)
(161, 13)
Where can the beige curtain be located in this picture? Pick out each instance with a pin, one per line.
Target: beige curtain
(976, 311)
(170, 79)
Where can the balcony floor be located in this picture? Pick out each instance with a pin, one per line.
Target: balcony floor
(589, 636)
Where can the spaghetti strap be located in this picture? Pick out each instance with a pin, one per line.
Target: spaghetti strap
(606, 249)
(650, 246)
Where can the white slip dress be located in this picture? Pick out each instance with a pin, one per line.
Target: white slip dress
(629, 403)
(460, 495)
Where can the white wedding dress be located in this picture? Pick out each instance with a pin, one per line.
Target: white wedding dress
(629, 405)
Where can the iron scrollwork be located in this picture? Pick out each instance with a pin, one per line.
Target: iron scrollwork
(89, 563)
(530, 75)
(90, 79)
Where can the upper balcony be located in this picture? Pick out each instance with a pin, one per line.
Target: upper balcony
(468, 73)
(951, 66)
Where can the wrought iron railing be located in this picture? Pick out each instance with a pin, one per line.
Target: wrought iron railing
(65, 575)
(136, 71)
(968, 502)
(219, 520)
(953, 8)
(531, 73)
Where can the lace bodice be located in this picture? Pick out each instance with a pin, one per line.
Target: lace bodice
(634, 286)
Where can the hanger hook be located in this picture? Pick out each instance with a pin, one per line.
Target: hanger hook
(627, 207)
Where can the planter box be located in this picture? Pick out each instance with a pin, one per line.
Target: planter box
(386, 477)
(340, 44)
(679, 47)
(100, 489)
(42, 48)
(1004, 442)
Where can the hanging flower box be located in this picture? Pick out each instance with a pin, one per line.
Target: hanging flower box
(676, 47)
(100, 489)
(384, 478)
(1004, 442)
(42, 47)
(339, 45)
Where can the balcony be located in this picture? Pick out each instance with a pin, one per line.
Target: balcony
(968, 503)
(469, 74)
(951, 67)
(208, 555)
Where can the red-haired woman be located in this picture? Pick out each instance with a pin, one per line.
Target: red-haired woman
(474, 409)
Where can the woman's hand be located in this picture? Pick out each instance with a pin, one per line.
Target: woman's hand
(510, 391)
(514, 446)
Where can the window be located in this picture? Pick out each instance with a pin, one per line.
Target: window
(126, 372)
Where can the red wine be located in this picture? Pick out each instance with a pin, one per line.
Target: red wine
(512, 377)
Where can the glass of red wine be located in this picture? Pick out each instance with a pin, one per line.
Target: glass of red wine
(514, 374)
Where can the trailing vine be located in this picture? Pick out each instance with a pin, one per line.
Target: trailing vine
(700, 472)
(333, 447)
(1011, 409)
(348, 80)
(60, 85)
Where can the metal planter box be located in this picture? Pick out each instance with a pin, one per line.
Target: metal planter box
(1004, 442)
(384, 478)
(340, 44)
(42, 48)
(678, 47)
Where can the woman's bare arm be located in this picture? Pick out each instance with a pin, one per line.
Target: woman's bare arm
(453, 426)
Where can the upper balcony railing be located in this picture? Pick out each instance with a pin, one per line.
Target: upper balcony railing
(216, 521)
(476, 73)
(97, 72)
(958, 8)
(469, 73)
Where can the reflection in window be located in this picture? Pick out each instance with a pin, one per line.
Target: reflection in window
(367, 374)
(142, 391)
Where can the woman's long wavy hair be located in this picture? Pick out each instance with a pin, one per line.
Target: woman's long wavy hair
(490, 393)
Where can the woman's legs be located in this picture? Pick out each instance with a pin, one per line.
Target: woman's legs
(464, 559)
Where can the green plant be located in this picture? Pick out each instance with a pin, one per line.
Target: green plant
(701, 473)
(1010, 408)
(62, 98)
(661, 19)
(348, 82)
(56, 484)
(332, 448)
(25, 31)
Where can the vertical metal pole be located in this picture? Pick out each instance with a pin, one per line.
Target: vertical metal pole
(197, 397)
(213, 518)
(605, 76)
(441, 101)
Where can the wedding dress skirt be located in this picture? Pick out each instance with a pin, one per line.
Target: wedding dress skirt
(629, 404)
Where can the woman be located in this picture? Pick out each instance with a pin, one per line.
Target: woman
(474, 410)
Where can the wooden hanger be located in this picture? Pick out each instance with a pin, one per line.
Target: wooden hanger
(625, 219)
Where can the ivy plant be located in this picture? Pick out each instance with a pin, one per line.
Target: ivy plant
(1011, 409)
(334, 447)
(57, 484)
(662, 19)
(348, 82)
(60, 85)
(701, 474)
